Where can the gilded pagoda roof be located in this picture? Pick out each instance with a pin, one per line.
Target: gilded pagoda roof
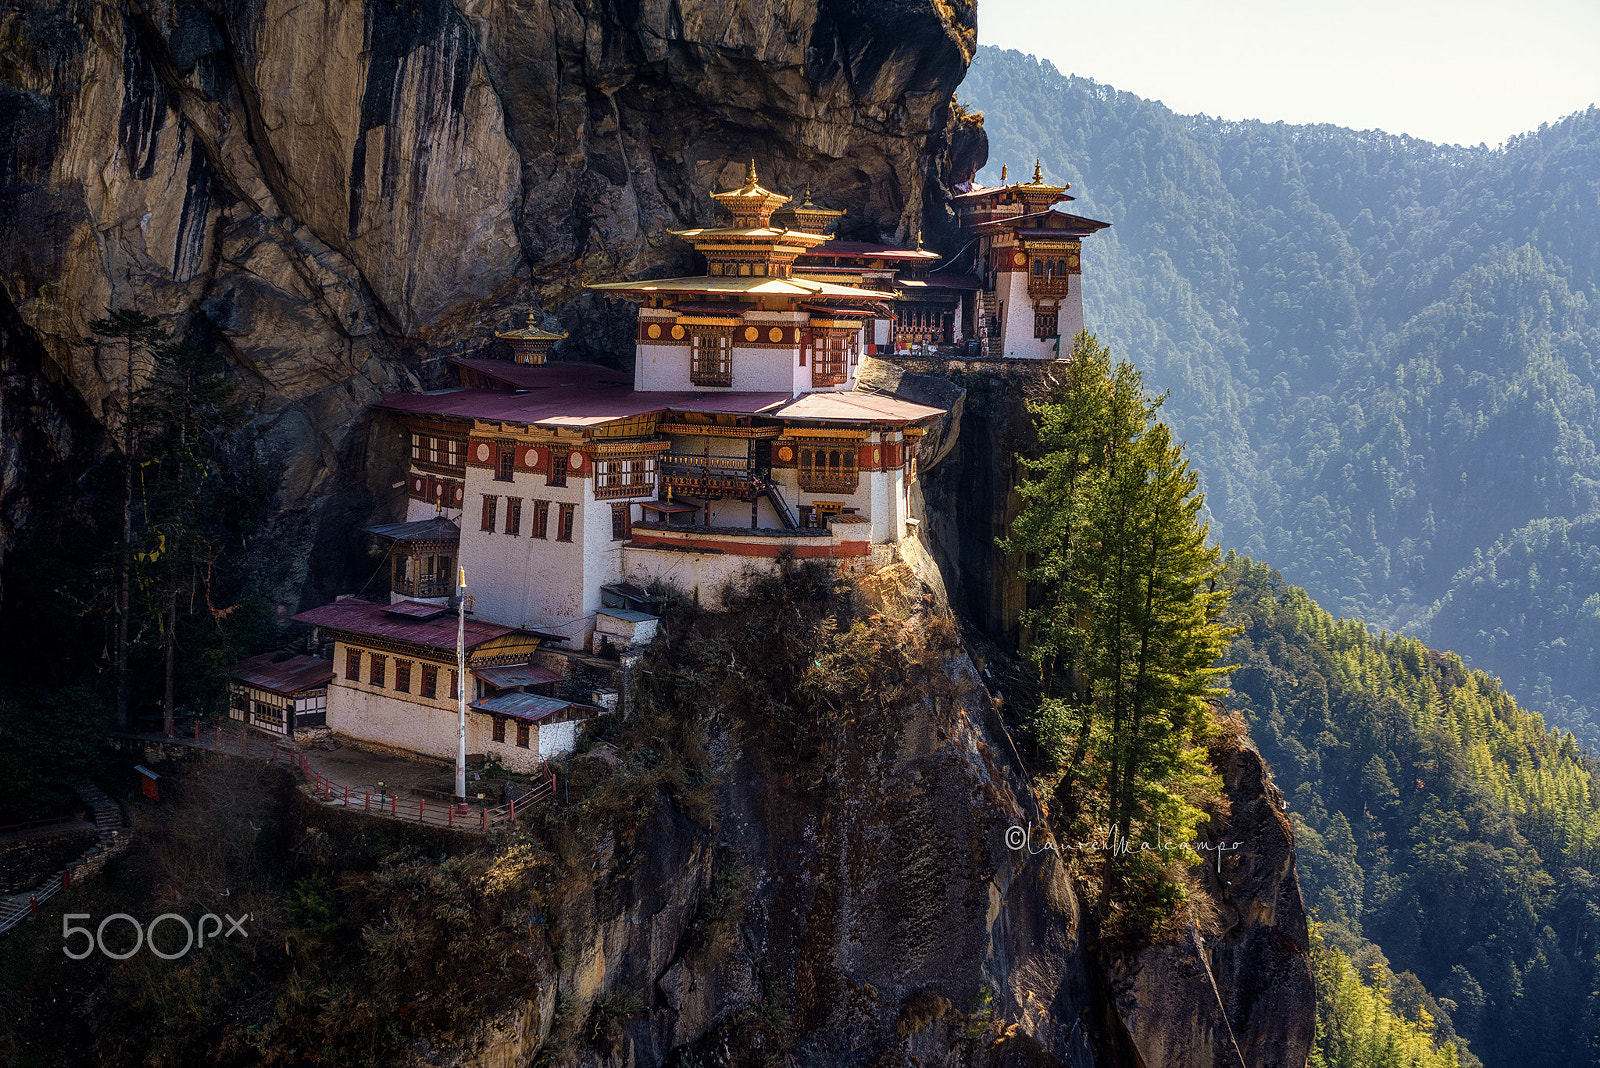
(750, 196)
(760, 233)
(529, 333)
(1035, 188)
(753, 286)
(1065, 223)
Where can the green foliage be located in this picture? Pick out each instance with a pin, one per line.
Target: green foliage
(1384, 354)
(1111, 531)
(191, 494)
(1359, 1024)
(1433, 816)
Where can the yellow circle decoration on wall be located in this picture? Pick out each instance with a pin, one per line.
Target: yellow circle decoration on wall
(775, 335)
(785, 453)
(751, 333)
(876, 454)
(677, 333)
(1019, 259)
(654, 330)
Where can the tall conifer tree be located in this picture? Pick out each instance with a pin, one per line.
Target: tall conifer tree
(1111, 526)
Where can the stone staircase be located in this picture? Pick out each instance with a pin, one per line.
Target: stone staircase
(109, 842)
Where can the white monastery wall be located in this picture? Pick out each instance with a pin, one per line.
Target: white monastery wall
(416, 725)
(697, 574)
(553, 740)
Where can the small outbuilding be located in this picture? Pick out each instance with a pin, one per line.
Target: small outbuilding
(280, 692)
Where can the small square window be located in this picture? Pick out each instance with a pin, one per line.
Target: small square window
(522, 736)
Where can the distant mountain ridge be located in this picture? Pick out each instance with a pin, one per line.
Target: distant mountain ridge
(1383, 353)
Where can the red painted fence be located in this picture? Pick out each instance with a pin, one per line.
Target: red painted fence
(460, 814)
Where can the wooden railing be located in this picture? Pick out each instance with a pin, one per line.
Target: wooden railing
(721, 465)
(423, 587)
(462, 815)
(829, 479)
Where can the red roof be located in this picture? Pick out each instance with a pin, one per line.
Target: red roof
(577, 406)
(367, 619)
(852, 407)
(511, 675)
(283, 673)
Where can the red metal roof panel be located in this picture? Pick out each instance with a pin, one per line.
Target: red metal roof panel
(285, 674)
(513, 675)
(574, 408)
(529, 707)
(364, 618)
(856, 408)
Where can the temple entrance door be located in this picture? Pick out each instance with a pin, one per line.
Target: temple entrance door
(761, 457)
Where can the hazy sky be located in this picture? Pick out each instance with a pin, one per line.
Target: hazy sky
(1459, 72)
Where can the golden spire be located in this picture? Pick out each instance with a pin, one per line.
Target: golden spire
(1002, 172)
(806, 203)
(1038, 172)
(750, 175)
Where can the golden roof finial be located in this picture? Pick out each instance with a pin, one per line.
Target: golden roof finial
(750, 175)
(1038, 172)
(1002, 172)
(531, 323)
(806, 203)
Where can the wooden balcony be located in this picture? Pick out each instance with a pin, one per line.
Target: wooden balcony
(634, 487)
(709, 476)
(829, 480)
(1040, 288)
(426, 586)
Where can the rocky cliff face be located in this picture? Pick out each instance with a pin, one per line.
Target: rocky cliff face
(342, 195)
(890, 910)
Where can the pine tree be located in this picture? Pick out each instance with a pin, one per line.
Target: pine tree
(141, 335)
(1111, 524)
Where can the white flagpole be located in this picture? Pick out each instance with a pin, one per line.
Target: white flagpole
(461, 682)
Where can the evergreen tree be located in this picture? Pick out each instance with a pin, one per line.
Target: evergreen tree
(1111, 527)
(141, 336)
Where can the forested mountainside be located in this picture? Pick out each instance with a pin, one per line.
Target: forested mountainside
(1446, 838)
(1383, 353)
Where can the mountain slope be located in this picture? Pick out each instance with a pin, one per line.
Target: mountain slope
(1434, 817)
(1384, 354)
